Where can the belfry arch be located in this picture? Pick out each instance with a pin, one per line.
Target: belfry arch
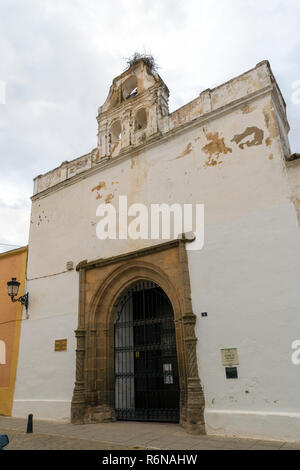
(101, 283)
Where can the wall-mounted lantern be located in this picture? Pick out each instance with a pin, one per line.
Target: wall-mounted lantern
(13, 289)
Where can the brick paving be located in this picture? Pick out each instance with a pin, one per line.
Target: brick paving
(122, 435)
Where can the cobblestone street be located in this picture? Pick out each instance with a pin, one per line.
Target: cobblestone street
(49, 435)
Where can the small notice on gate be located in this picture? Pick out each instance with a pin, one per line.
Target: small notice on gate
(230, 357)
(168, 374)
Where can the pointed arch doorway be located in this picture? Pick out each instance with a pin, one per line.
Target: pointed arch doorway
(102, 283)
(146, 368)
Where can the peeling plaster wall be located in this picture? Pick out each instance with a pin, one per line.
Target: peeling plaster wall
(293, 171)
(153, 96)
(246, 277)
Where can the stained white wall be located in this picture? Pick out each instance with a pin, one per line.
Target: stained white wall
(45, 378)
(246, 277)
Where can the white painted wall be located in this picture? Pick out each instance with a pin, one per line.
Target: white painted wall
(246, 277)
(45, 378)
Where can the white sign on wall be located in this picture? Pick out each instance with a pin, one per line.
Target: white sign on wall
(2, 352)
(230, 357)
(2, 92)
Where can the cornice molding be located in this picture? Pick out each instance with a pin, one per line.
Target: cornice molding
(159, 138)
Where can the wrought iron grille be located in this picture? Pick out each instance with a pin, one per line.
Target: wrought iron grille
(146, 370)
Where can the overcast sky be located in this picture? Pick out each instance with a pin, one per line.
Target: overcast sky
(58, 58)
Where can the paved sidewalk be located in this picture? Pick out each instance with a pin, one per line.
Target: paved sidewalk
(121, 435)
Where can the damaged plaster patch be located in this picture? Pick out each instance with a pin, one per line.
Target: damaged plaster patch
(108, 198)
(271, 123)
(270, 120)
(268, 142)
(96, 157)
(188, 149)
(256, 135)
(103, 185)
(215, 149)
(42, 218)
(99, 186)
(248, 109)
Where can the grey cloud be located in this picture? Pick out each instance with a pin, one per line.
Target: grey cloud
(59, 57)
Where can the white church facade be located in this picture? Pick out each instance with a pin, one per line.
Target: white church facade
(187, 329)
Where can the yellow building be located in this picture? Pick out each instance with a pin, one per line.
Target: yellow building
(12, 264)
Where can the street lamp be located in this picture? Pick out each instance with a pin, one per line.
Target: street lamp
(13, 289)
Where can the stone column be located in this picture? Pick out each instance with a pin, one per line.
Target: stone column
(194, 412)
(78, 400)
(195, 397)
(90, 365)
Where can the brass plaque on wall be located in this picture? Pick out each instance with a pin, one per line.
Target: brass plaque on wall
(230, 357)
(60, 345)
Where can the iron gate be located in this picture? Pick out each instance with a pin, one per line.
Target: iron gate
(146, 370)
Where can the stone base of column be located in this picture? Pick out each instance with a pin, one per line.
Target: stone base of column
(100, 414)
(193, 414)
(193, 427)
(81, 413)
(78, 412)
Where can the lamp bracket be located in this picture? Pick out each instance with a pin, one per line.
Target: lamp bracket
(24, 299)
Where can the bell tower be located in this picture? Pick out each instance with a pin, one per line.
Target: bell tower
(134, 110)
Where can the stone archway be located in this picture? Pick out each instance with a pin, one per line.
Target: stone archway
(100, 284)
